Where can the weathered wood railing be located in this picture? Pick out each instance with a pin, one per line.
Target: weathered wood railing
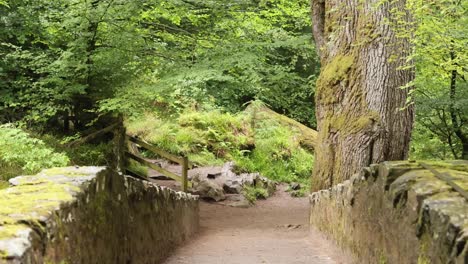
(183, 161)
(122, 152)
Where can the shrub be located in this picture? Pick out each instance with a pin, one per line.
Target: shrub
(85, 154)
(21, 153)
(277, 155)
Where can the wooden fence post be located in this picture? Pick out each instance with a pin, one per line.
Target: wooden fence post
(185, 165)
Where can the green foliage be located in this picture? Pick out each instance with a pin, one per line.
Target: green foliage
(83, 154)
(254, 193)
(214, 137)
(4, 184)
(195, 133)
(205, 158)
(277, 155)
(20, 153)
(225, 55)
(440, 39)
(60, 57)
(89, 154)
(426, 145)
(137, 168)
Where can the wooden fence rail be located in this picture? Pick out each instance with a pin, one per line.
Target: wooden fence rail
(118, 126)
(183, 161)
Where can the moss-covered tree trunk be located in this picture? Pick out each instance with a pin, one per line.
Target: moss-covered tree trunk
(359, 96)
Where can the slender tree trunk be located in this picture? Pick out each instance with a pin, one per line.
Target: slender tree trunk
(359, 99)
(457, 126)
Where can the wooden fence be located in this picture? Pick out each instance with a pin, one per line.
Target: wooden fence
(183, 161)
(120, 153)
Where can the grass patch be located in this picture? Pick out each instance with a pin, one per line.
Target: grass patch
(253, 193)
(277, 155)
(4, 184)
(85, 154)
(137, 168)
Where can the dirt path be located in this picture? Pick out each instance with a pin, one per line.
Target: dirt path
(273, 231)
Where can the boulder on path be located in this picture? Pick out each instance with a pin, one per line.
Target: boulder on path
(207, 188)
(216, 182)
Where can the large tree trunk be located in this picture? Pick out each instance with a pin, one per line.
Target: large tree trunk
(359, 98)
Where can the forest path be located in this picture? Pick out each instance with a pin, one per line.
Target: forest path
(274, 231)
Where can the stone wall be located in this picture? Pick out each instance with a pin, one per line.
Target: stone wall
(398, 212)
(91, 215)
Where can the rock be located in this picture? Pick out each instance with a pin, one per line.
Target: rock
(297, 193)
(224, 179)
(54, 217)
(412, 205)
(227, 170)
(213, 175)
(295, 186)
(233, 186)
(250, 179)
(206, 188)
(267, 184)
(241, 204)
(236, 200)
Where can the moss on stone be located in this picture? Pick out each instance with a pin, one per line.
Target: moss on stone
(7, 231)
(452, 165)
(65, 171)
(423, 249)
(30, 202)
(33, 198)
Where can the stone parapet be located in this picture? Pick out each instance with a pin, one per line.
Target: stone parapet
(398, 212)
(92, 215)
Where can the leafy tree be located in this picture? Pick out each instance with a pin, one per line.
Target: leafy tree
(440, 40)
(58, 69)
(228, 54)
(174, 53)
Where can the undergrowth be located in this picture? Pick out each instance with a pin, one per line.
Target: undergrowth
(213, 137)
(21, 153)
(85, 154)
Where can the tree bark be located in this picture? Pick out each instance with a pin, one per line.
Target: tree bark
(457, 126)
(359, 99)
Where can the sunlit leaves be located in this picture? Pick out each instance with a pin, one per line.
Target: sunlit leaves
(440, 39)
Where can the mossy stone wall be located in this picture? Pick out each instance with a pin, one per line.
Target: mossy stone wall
(398, 212)
(92, 215)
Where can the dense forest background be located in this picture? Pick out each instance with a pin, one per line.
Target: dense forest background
(183, 71)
